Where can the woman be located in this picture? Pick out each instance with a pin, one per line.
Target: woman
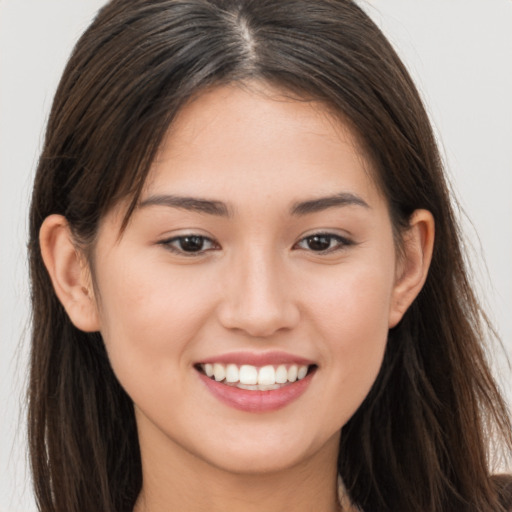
(248, 286)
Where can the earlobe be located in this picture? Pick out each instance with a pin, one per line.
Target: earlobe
(413, 267)
(69, 273)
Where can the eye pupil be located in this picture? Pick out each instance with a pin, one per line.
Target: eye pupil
(319, 242)
(191, 243)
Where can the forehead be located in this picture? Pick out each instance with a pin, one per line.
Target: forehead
(257, 134)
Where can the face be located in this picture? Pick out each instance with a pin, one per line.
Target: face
(261, 249)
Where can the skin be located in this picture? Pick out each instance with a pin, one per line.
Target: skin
(257, 286)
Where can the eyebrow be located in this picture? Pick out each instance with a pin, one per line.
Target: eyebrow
(218, 208)
(323, 203)
(193, 204)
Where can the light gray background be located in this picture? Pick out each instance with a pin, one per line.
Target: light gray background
(458, 51)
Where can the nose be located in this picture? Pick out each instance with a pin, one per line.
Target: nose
(258, 299)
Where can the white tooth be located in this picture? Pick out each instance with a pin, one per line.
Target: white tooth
(269, 387)
(232, 373)
(219, 372)
(248, 374)
(258, 387)
(249, 387)
(292, 373)
(208, 369)
(303, 370)
(267, 376)
(281, 374)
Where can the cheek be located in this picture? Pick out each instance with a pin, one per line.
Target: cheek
(354, 302)
(148, 316)
(352, 318)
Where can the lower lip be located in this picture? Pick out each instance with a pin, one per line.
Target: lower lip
(257, 401)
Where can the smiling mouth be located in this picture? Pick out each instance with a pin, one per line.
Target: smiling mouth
(254, 378)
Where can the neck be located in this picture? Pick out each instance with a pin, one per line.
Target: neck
(248, 493)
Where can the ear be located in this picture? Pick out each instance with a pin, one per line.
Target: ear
(412, 269)
(69, 273)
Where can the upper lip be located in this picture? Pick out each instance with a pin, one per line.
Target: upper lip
(257, 358)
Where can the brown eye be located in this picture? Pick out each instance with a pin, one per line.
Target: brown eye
(189, 244)
(318, 242)
(323, 242)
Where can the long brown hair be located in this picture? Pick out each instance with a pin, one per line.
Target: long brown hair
(420, 440)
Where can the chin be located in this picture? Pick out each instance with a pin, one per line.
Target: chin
(258, 462)
(268, 453)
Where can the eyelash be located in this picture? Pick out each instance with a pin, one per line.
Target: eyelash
(179, 240)
(341, 242)
(175, 244)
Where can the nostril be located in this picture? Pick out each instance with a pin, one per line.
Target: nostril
(258, 321)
